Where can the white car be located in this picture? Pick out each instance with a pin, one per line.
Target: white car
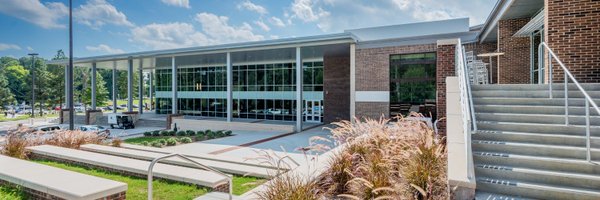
(95, 128)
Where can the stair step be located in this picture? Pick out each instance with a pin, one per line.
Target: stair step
(589, 181)
(533, 109)
(535, 190)
(481, 195)
(557, 151)
(537, 118)
(536, 138)
(537, 128)
(530, 101)
(532, 94)
(536, 162)
(555, 86)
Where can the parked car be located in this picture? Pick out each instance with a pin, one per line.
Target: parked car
(49, 128)
(95, 128)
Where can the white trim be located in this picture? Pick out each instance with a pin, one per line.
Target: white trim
(372, 96)
(452, 41)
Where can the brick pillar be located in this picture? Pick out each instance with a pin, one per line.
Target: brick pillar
(572, 33)
(445, 67)
(336, 83)
(515, 65)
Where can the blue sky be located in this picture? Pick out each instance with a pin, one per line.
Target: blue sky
(117, 26)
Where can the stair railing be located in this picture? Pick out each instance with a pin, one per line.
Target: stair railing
(588, 100)
(468, 116)
(151, 173)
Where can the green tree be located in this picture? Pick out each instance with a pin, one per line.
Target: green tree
(101, 92)
(17, 75)
(6, 96)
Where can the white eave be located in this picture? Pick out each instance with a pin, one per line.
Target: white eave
(536, 23)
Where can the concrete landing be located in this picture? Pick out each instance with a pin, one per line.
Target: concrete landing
(217, 196)
(227, 167)
(165, 171)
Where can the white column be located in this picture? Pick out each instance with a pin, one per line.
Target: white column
(151, 88)
(141, 87)
(229, 88)
(299, 88)
(352, 81)
(94, 86)
(173, 86)
(130, 86)
(114, 86)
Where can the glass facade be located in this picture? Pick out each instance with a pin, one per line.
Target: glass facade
(412, 84)
(260, 91)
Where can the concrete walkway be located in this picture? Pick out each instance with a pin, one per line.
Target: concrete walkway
(139, 167)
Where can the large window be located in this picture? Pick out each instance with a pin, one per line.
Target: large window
(412, 84)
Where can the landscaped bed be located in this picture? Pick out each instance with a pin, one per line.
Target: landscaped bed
(11, 193)
(173, 138)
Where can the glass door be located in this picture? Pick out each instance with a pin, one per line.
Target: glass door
(312, 111)
(537, 73)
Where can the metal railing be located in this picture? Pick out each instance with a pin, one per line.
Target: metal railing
(588, 100)
(468, 116)
(151, 174)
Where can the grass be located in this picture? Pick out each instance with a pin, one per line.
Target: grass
(139, 140)
(162, 189)
(22, 117)
(11, 193)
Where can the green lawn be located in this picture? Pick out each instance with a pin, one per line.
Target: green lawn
(9, 193)
(22, 117)
(162, 189)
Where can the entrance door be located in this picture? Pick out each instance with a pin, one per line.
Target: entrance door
(537, 73)
(312, 111)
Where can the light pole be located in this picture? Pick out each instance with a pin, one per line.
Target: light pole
(33, 55)
(70, 69)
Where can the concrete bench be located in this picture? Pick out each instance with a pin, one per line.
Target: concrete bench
(46, 182)
(129, 166)
(227, 167)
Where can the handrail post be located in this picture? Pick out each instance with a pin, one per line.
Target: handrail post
(587, 129)
(566, 100)
(540, 63)
(550, 75)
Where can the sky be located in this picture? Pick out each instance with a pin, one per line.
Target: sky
(102, 27)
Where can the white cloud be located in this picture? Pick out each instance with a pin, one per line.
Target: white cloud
(402, 4)
(307, 10)
(97, 13)
(46, 15)
(262, 25)
(29, 48)
(4, 47)
(104, 49)
(276, 22)
(218, 29)
(178, 3)
(247, 5)
(168, 36)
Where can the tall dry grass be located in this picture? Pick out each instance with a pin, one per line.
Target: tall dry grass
(19, 139)
(383, 159)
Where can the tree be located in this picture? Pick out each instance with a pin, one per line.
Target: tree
(17, 75)
(6, 96)
(101, 92)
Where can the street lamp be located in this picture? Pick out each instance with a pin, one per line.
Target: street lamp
(33, 55)
(70, 69)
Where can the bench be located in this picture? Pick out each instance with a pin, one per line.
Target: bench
(46, 182)
(128, 166)
(227, 167)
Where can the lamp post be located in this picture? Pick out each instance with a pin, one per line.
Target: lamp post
(33, 55)
(70, 69)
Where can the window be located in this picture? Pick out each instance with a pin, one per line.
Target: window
(412, 84)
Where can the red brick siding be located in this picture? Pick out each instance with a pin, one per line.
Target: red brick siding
(515, 63)
(445, 67)
(372, 110)
(573, 33)
(336, 83)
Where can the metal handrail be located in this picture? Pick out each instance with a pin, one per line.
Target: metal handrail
(568, 75)
(466, 100)
(151, 173)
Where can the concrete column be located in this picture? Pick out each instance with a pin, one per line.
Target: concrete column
(114, 86)
(299, 87)
(141, 88)
(352, 81)
(229, 88)
(151, 89)
(130, 86)
(94, 86)
(173, 86)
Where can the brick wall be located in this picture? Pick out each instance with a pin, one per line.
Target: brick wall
(515, 63)
(373, 74)
(573, 33)
(336, 83)
(445, 67)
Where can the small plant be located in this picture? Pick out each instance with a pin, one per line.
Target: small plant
(172, 133)
(156, 133)
(200, 137)
(228, 133)
(185, 140)
(191, 133)
(210, 135)
(162, 141)
(145, 143)
(147, 133)
(116, 142)
(164, 133)
(181, 133)
(207, 131)
(200, 133)
(171, 142)
(219, 134)
(157, 144)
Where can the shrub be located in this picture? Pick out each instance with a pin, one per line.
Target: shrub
(156, 144)
(290, 186)
(17, 141)
(200, 137)
(186, 140)
(207, 131)
(200, 133)
(145, 143)
(219, 134)
(171, 142)
(147, 133)
(164, 133)
(228, 133)
(74, 139)
(181, 133)
(116, 142)
(210, 135)
(191, 133)
(162, 141)
(172, 133)
(155, 133)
